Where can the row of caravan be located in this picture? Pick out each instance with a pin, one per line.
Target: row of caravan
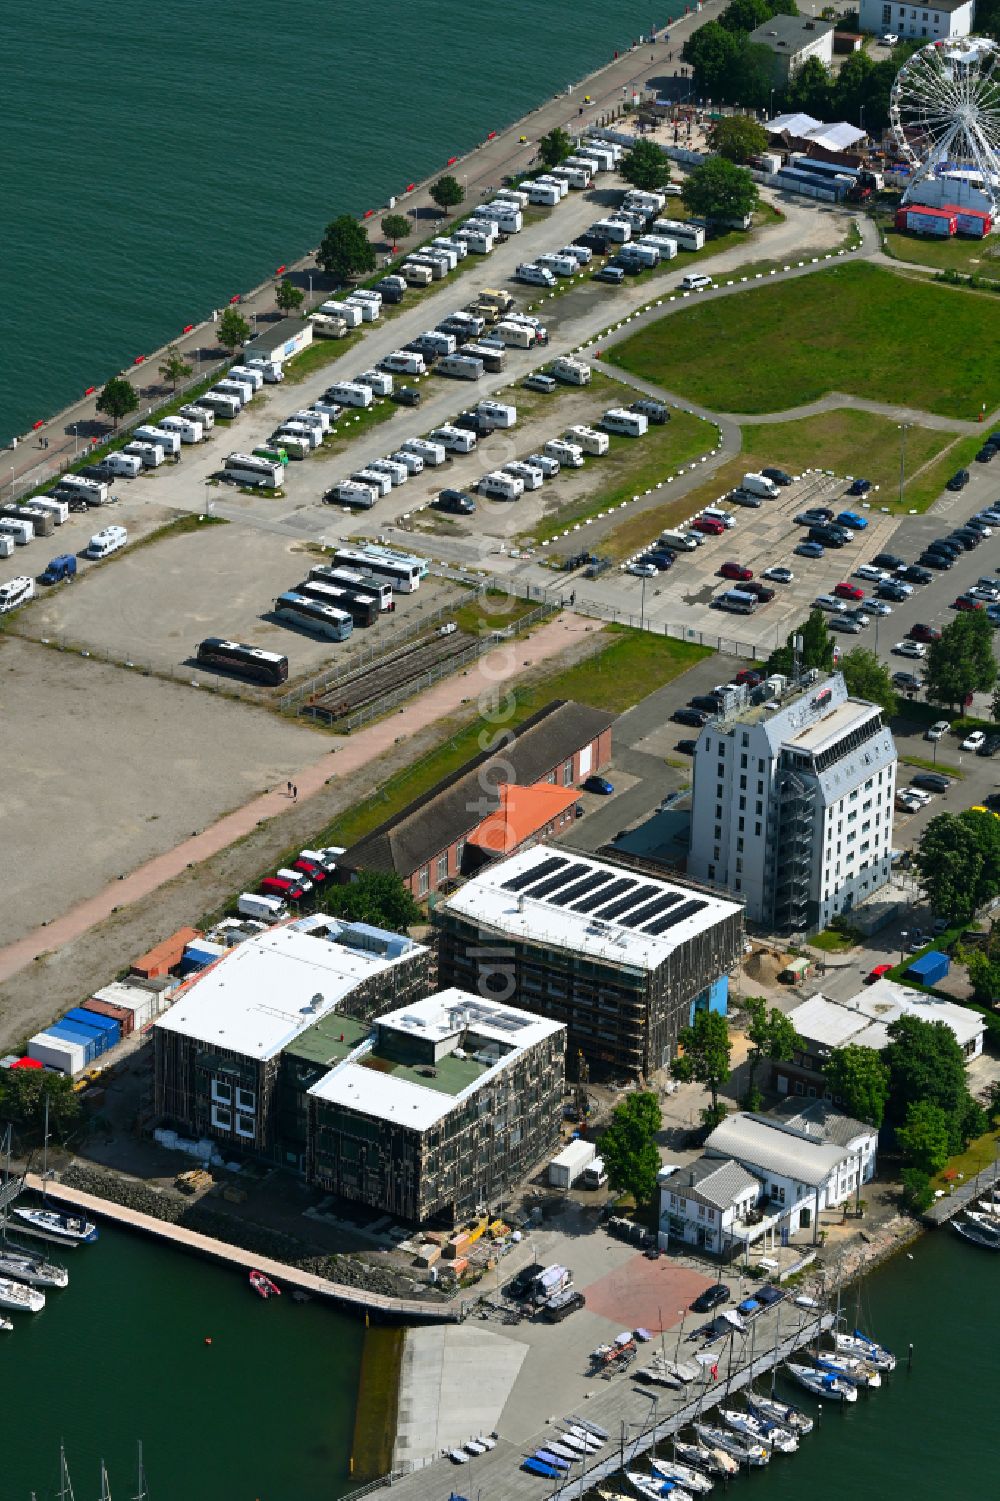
(566, 452)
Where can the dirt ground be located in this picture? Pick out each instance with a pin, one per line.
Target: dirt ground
(136, 509)
(153, 606)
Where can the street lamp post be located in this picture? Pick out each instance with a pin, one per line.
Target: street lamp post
(12, 480)
(76, 439)
(903, 430)
(642, 602)
(770, 106)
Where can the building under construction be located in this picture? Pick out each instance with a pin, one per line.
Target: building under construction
(441, 1110)
(623, 959)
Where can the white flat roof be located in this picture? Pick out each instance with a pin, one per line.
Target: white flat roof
(622, 935)
(826, 731)
(864, 1019)
(406, 1101)
(263, 993)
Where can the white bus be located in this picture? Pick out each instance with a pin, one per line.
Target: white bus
(322, 620)
(403, 576)
(360, 583)
(396, 555)
(248, 469)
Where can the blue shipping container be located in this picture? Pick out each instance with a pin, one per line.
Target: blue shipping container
(72, 1033)
(106, 1024)
(101, 1040)
(929, 968)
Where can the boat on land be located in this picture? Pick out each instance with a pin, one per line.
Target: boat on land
(579, 1443)
(685, 1475)
(17, 1298)
(537, 1467)
(574, 1422)
(656, 1489)
(745, 1451)
(760, 1430)
(53, 1224)
(823, 1384)
(704, 1457)
(784, 1413)
(24, 1267)
(864, 1348)
(858, 1372)
(563, 1450)
(263, 1286)
(548, 1458)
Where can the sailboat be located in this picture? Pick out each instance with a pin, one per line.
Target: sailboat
(858, 1372)
(760, 1430)
(18, 1263)
(17, 1298)
(685, 1475)
(822, 1383)
(55, 1224)
(866, 1349)
(704, 1457)
(783, 1413)
(744, 1450)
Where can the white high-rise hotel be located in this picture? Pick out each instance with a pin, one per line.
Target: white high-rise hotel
(792, 803)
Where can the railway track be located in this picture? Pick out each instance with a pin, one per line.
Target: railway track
(386, 677)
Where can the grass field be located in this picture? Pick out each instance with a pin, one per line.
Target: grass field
(945, 255)
(854, 328)
(492, 612)
(630, 665)
(632, 466)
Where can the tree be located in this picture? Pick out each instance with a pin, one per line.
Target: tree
(23, 1096)
(925, 1138)
(628, 1146)
(817, 647)
(555, 147)
(345, 249)
(745, 15)
(811, 89)
(447, 192)
(174, 367)
(926, 1065)
(950, 864)
(720, 190)
(867, 678)
(375, 897)
(705, 1057)
(117, 399)
(985, 830)
(751, 77)
(645, 166)
(288, 297)
(772, 1036)
(395, 227)
(984, 973)
(737, 138)
(233, 330)
(961, 662)
(712, 53)
(860, 1078)
(918, 1194)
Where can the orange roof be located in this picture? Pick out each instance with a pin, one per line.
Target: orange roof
(523, 811)
(160, 960)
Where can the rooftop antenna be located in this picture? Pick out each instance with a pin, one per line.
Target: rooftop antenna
(797, 644)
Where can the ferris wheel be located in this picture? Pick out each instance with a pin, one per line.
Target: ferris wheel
(944, 111)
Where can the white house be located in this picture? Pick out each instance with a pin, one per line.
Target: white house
(715, 1206)
(952, 18)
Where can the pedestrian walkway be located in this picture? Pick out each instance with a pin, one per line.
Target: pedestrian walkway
(482, 681)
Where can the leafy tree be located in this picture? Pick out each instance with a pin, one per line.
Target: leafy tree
(737, 138)
(860, 1078)
(817, 647)
(926, 1066)
(712, 53)
(174, 367)
(288, 297)
(985, 829)
(772, 1036)
(645, 166)
(925, 1138)
(950, 864)
(918, 1194)
(345, 249)
(555, 147)
(751, 77)
(984, 973)
(745, 15)
(447, 192)
(233, 330)
(720, 190)
(866, 677)
(706, 1053)
(375, 897)
(811, 89)
(629, 1148)
(23, 1095)
(962, 661)
(116, 401)
(395, 227)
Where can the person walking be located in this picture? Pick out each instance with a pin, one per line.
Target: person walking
(295, 794)
(289, 789)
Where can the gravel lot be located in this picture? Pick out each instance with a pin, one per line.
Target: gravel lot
(109, 768)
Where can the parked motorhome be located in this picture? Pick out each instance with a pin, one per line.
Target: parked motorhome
(168, 441)
(417, 276)
(196, 413)
(460, 366)
(559, 183)
(123, 465)
(397, 472)
(517, 335)
(403, 362)
(325, 327)
(493, 360)
(370, 311)
(16, 592)
(270, 369)
(379, 481)
(627, 424)
(102, 544)
(245, 469)
(186, 428)
(454, 439)
(238, 388)
(302, 430)
(150, 455)
(572, 372)
(347, 393)
(570, 455)
(544, 194)
(351, 493)
(57, 509)
(530, 476)
(500, 413)
(222, 405)
(379, 382)
(247, 373)
(688, 236)
(500, 486)
(589, 439)
(534, 276)
(347, 312)
(94, 492)
(22, 531)
(616, 230)
(431, 453)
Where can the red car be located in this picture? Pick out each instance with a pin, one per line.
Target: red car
(751, 676)
(849, 591)
(735, 571)
(877, 973)
(278, 886)
(921, 632)
(763, 593)
(708, 526)
(316, 873)
(963, 602)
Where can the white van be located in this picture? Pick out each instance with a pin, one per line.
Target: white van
(379, 382)
(103, 543)
(169, 442)
(349, 393)
(404, 362)
(570, 455)
(500, 413)
(376, 479)
(431, 453)
(200, 414)
(151, 454)
(589, 439)
(500, 486)
(572, 372)
(454, 439)
(187, 430)
(678, 541)
(759, 484)
(531, 477)
(412, 462)
(347, 312)
(629, 424)
(265, 908)
(16, 592)
(713, 513)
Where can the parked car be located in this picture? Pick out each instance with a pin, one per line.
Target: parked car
(974, 740)
(893, 589)
(456, 502)
(848, 624)
(814, 516)
(277, 886)
(860, 487)
(908, 682)
(749, 677)
(877, 973)
(939, 561)
(642, 570)
(959, 480)
(687, 715)
(922, 632)
(888, 560)
(909, 648)
(539, 382)
(810, 549)
(966, 604)
(931, 781)
(707, 526)
(735, 571)
(937, 730)
(848, 591)
(778, 575)
(870, 572)
(853, 520)
(686, 747)
(990, 746)
(600, 785)
(915, 573)
(777, 475)
(712, 1297)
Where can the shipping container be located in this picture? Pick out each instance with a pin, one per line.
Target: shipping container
(161, 959)
(929, 968)
(121, 1014)
(143, 1002)
(570, 1163)
(108, 1030)
(60, 1053)
(85, 1037)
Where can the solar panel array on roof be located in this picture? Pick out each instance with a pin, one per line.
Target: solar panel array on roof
(622, 904)
(536, 873)
(642, 915)
(679, 914)
(580, 888)
(597, 899)
(561, 877)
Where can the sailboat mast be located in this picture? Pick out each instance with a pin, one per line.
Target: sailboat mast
(105, 1486)
(65, 1484)
(141, 1494)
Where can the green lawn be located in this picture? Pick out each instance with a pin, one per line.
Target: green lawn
(831, 942)
(925, 763)
(631, 665)
(978, 1155)
(981, 256)
(632, 466)
(855, 328)
(493, 611)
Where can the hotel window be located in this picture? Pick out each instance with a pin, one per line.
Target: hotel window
(423, 880)
(459, 854)
(711, 872)
(441, 873)
(222, 1120)
(246, 1099)
(245, 1125)
(222, 1092)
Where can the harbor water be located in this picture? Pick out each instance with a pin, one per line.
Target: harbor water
(231, 1397)
(160, 159)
